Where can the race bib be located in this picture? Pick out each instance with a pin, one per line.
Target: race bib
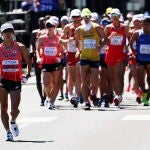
(144, 49)
(50, 51)
(89, 44)
(116, 40)
(10, 65)
(72, 46)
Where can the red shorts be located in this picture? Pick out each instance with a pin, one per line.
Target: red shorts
(71, 60)
(113, 58)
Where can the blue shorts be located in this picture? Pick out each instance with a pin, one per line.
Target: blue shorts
(92, 64)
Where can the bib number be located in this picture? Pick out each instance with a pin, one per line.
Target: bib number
(116, 40)
(145, 49)
(10, 65)
(50, 51)
(72, 46)
(89, 44)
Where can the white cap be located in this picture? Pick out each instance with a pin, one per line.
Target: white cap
(115, 11)
(64, 18)
(94, 16)
(54, 19)
(6, 26)
(51, 22)
(75, 12)
(137, 17)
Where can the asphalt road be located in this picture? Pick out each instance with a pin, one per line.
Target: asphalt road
(68, 128)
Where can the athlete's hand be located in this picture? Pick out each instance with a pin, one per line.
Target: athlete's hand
(77, 55)
(38, 60)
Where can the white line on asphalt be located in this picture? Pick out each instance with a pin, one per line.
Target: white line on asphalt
(136, 118)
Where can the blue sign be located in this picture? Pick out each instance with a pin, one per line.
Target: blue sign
(48, 5)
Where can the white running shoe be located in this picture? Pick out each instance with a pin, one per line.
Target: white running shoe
(46, 101)
(15, 129)
(9, 137)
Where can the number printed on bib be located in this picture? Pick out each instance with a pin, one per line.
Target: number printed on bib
(10, 65)
(89, 44)
(72, 46)
(144, 49)
(116, 40)
(50, 51)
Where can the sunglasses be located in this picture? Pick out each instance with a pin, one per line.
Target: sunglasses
(8, 31)
(75, 17)
(105, 22)
(64, 21)
(86, 17)
(115, 15)
(48, 25)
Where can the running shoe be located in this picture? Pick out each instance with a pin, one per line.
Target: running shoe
(46, 102)
(138, 99)
(145, 99)
(9, 137)
(94, 99)
(100, 101)
(14, 128)
(117, 100)
(66, 96)
(51, 106)
(61, 98)
(87, 106)
(74, 102)
(81, 100)
(105, 98)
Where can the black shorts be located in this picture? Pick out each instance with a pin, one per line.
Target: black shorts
(50, 67)
(10, 85)
(103, 63)
(142, 63)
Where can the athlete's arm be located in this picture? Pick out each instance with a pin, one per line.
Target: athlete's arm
(39, 44)
(25, 55)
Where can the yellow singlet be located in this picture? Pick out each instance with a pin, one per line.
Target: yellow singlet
(89, 41)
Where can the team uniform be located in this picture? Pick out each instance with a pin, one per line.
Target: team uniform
(89, 41)
(50, 54)
(11, 67)
(115, 51)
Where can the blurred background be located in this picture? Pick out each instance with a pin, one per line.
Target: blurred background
(23, 14)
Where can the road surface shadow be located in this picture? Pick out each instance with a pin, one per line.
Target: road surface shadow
(32, 141)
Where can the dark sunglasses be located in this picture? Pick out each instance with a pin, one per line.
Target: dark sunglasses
(65, 21)
(115, 15)
(86, 17)
(105, 22)
(75, 17)
(48, 25)
(8, 31)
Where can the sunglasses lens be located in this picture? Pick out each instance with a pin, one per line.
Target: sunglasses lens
(75, 16)
(105, 23)
(86, 17)
(114, 15)
(48, 25)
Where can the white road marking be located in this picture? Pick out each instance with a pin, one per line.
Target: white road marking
(136, 118)
(24, 122)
